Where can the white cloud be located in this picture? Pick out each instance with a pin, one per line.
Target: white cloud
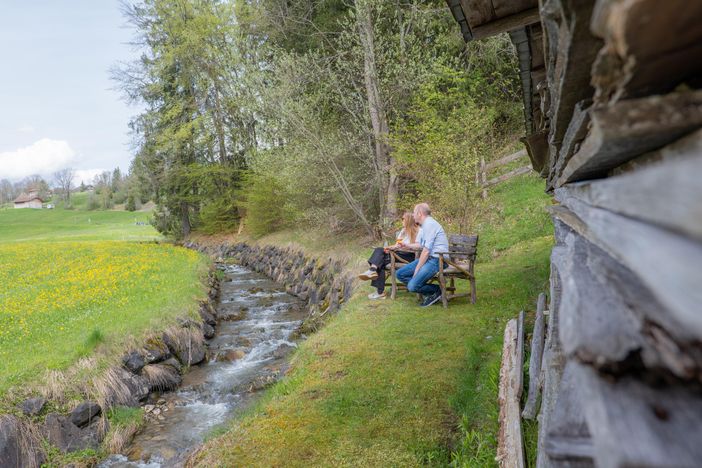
(43, 157)
(25, 129)
(86, 176)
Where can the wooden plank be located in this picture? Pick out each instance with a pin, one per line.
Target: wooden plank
(537, 350)
(478, 12)
(574, 52)
(520, 355)
(640, 425)
(510, 449)
(553, 361)
(657, 61)
(537, 149)
(574, 135)
(510, 7)
(506, 24)
(665, 262)
(513, 173)
(676, 202)
(629, 128)
(506, 160)
(568, 436)
(604, 317)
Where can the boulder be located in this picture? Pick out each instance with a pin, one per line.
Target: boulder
(155, 350)
(15, 451)
(207, 316)
(137, 389)
(61, 432)
(133, 361)
(161, 377)
(208, 331)
(85, 413)
(231, 355)
(188, 352)
(174, 363)
(33, 406)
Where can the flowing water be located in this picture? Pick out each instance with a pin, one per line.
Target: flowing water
(245, 355)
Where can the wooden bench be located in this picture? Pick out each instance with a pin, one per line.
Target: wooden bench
(459, 264)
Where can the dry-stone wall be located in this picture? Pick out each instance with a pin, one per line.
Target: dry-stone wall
(321, 282)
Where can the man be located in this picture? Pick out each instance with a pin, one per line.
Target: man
(431, 239)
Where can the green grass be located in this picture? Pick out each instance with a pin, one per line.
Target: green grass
(72, 287)
(390, 384)
(61, 225)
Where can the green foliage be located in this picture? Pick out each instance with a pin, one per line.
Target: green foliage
(264, 202)
(131, 203)
(124, 416)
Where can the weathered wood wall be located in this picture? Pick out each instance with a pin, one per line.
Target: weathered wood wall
(614, 124)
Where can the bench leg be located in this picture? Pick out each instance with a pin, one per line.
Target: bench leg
(472, 284)
(442, 283)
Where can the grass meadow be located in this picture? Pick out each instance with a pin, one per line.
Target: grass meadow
(76, 284)
(386, 383)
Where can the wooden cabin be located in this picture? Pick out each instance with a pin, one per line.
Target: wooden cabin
(613, 117)
(29, 200)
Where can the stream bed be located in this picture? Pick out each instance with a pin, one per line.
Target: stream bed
(257, 322)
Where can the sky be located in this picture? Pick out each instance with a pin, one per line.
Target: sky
(58, 106)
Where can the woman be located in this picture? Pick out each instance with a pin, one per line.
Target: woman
(381, 258)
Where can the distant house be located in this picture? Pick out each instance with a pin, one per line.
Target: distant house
(29, 200)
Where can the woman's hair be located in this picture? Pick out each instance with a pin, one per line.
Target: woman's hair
(409, 226)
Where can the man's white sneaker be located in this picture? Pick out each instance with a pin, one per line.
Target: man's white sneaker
(368, 275)
(375, 295)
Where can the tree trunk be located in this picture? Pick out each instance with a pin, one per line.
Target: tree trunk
(378, 115)
(185, 218)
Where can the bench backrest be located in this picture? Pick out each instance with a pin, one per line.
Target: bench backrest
(464, 247)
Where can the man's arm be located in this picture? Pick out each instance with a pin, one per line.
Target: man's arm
(422, 260)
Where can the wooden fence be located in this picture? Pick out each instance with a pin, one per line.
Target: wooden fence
(481, 177)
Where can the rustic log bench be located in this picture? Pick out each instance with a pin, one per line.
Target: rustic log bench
(457, 263)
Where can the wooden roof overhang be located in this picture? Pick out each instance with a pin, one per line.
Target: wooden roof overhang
(520, 18)
(484, 18)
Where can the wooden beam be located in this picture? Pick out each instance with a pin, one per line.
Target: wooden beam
(513, 173)
(630, 128)
(664, 189)
(535, 357)
(637, 424)
(507, 23)
(666, 263)
(568, 436)
(520, 355)
(510, 448)
(634, 64)
(506, 160)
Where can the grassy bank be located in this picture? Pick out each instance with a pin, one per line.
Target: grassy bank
(72, 288)
(389, 384)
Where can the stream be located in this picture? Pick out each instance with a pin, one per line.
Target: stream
(247, 353)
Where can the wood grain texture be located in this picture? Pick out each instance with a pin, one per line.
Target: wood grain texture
(639, 425)
(535, 357)
(510, 448)
(661, 187)
(620, 132)
(665, 262)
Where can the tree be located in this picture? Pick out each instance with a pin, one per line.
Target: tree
(7, 192)
(64, 180)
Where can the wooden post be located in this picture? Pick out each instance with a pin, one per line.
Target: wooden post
(537, 349)
(510, 449)
(483, 176)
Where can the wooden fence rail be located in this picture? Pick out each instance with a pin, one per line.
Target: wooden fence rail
(481, 177)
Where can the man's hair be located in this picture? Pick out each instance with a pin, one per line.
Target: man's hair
(423, 208)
